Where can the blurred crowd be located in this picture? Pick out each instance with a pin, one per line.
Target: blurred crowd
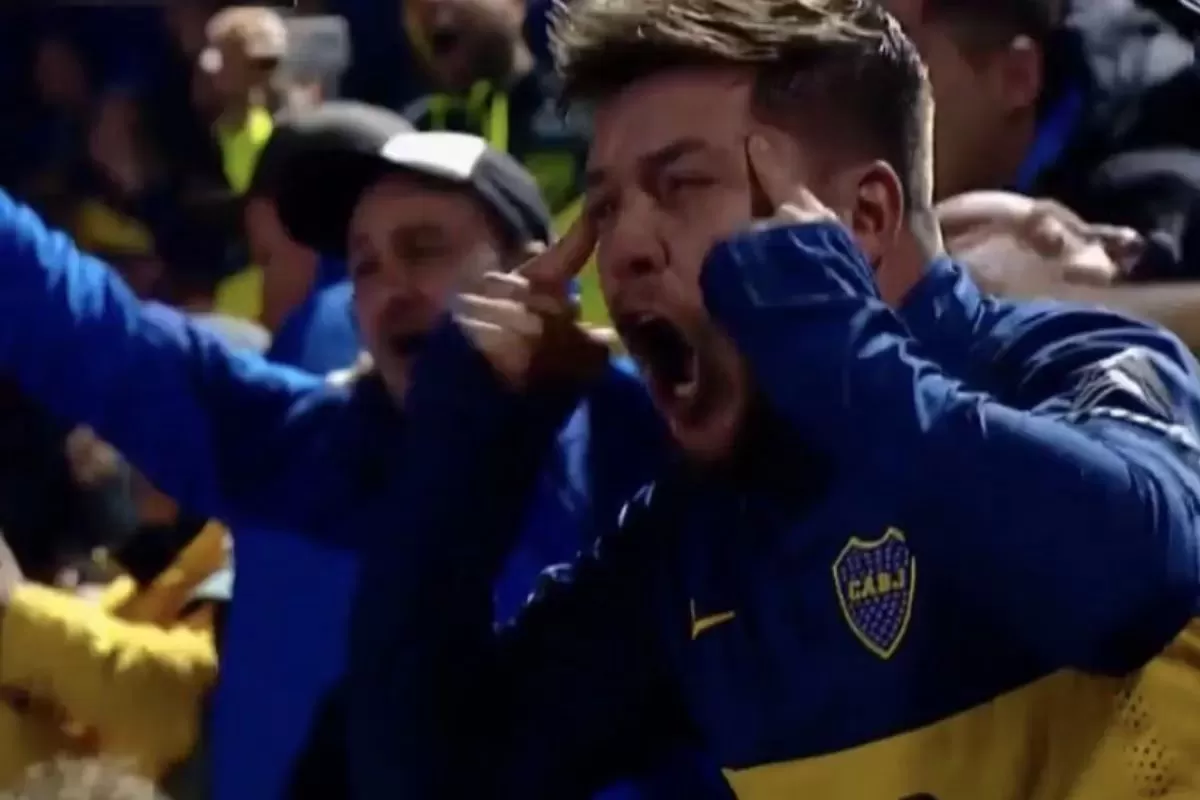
(156, 135)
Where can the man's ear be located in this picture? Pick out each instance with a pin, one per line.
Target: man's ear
(873, 208)
(1019, 73)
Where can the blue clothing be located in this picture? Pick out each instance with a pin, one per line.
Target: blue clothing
(264, 447)
(321, 335)
(1037, 461)
(281, 649)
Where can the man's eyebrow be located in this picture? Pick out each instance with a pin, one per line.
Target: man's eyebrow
(654, 160)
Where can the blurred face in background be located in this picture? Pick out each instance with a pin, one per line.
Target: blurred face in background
(464, 41)
(412, 246)
(230, 71)
(59, 75)
(115, 143)
(288, 267)
(986, 87)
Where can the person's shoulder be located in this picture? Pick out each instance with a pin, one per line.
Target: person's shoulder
(236, 332)
(1038, 348)
(1023, 328)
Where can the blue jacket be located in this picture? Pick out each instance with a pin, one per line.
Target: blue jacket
(961, 562)
(321, 335)
(281, 649)
(263, 447)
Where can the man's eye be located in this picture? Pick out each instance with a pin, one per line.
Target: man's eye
(677, 183)
(422, 253)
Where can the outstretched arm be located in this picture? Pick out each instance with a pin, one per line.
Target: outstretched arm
(210, 427)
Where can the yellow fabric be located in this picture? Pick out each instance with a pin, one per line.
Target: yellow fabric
(100, 229)
(161, 601)
(240, 295)
(1068, 736)
(240, 147)
(136, 688)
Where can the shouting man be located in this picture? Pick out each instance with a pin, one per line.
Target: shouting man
(920, 542)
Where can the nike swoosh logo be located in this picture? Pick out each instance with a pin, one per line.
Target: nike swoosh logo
(703, 624)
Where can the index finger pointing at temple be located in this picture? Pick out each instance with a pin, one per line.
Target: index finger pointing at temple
(791, 201)
(563, 260)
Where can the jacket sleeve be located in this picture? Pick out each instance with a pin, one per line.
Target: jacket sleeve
(1157, 193)
(139, 687)
(208, 426)
(1070, 511)
(559, 702)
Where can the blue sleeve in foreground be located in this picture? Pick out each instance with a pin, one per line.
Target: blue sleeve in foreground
(210, 427)
(1082, 513)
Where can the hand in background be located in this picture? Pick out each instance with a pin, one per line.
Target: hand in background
(1018, 246)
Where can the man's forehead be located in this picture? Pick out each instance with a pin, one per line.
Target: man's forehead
(701, 105)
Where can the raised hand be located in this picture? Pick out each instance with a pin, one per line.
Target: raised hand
(1017, 245)
(791, 201)
(525, 323)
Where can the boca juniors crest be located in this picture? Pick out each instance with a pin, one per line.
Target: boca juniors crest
(875, 582)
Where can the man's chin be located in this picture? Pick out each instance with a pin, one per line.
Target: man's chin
(711, 440)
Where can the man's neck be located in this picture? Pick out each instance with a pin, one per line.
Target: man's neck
(233, 115)
(1006, 155)
(919, 244)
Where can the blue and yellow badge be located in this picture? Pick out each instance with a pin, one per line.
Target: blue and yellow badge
(875, 582)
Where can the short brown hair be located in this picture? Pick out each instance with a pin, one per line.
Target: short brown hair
(847, 57)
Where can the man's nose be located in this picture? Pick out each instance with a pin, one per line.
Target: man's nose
(397, 277)
(632, 248)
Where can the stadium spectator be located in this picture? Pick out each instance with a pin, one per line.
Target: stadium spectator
(294, 276)
(113, 665)
(56, 124)
(265, 447)
(1087, 103)
(489, 84)
(116, 187)
(245, 45)
(848, 408)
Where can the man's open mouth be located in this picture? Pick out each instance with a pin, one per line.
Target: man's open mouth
(665, 354)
